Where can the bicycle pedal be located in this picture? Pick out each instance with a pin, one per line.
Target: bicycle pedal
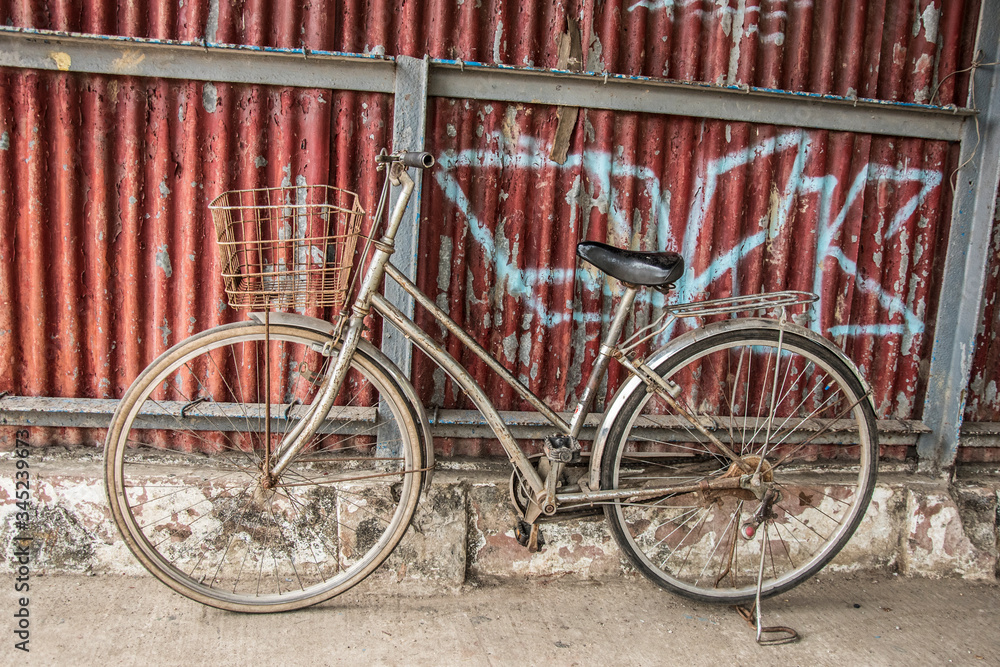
(524, 532)
(562, 449)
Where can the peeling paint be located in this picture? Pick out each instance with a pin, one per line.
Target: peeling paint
(595, 53)
(937, 541)
(212, 21)
(497, 37)
(165, 331)
(128, 62)
(463, 533)
(163, 261)
(209, 97)
(62, 60)
(928, 20)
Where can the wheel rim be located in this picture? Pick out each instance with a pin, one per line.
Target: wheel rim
(202, 520)
(692, 543)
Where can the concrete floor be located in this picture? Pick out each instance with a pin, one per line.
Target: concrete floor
(843, 620)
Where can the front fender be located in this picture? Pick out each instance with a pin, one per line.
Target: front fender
(677, 346)
(326, 328)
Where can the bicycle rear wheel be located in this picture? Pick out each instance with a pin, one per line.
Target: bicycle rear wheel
(183, 470)
(800, 418)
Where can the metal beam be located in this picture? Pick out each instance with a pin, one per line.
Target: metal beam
(980, 434)
(409, 118)
(529, 426)
(639, 94)
(208, 416)
(315, 69)
(964, 275)
(121, 56)
(96, 413)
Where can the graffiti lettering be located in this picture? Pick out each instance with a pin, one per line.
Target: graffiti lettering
(531, 154)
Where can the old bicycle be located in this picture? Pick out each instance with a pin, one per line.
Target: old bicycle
(271, 464)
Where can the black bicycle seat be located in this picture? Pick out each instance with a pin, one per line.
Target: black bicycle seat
(650, 269)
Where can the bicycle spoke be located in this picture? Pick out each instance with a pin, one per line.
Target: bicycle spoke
(814, 489)
(212, 523)
(772, 393)
(708, 560)
(687, 554)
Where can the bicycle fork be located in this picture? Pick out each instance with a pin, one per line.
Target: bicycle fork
(302, 433)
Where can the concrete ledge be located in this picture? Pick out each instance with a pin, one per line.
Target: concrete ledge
(464, 530)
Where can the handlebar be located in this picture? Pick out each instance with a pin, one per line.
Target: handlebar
(420, 159)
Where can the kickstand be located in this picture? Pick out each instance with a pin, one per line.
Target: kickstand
(780, 634)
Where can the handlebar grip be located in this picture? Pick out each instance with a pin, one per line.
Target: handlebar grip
(419, 160)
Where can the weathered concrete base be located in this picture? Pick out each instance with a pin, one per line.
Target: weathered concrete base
(464, 530)
(951, 531)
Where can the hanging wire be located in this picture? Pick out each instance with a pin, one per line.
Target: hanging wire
(977, 62)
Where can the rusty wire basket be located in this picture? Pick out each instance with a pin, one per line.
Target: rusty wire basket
(287, 248)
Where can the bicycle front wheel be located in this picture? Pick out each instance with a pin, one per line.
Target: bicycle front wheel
(184, 459)
(795, 412)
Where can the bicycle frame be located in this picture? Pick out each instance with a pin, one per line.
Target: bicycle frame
(369, 298)
(545, 500)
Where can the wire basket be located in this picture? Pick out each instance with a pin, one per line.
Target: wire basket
(287, 248)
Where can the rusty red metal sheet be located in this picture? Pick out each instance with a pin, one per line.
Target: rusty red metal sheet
(897, 50)
(983, 395)
(983, 402)
(105, 248)
(853, 218)
(106, 245)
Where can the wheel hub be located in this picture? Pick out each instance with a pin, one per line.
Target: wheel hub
(766, 469)
(757, 483)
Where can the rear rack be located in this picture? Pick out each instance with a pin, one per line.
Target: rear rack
(755, 304)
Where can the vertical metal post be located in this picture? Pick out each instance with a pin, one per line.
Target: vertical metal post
(409, 119)
(963, 278)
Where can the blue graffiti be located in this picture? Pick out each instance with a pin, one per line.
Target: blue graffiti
(532, 154)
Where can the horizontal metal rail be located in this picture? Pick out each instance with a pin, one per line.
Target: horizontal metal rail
(126, 56)
(102, 54)
(645, 95)
(530, 426)
(97, 412)
(979, 434)
(204, 416)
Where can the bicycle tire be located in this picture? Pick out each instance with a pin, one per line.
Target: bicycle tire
(692, 543)
(184, 485)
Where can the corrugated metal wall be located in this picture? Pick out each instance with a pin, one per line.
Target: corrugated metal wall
(107, 253)
(106, 257)
(854, 218)
(889, 49)
(983, 398)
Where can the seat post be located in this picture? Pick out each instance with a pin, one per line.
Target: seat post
(603, 359)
